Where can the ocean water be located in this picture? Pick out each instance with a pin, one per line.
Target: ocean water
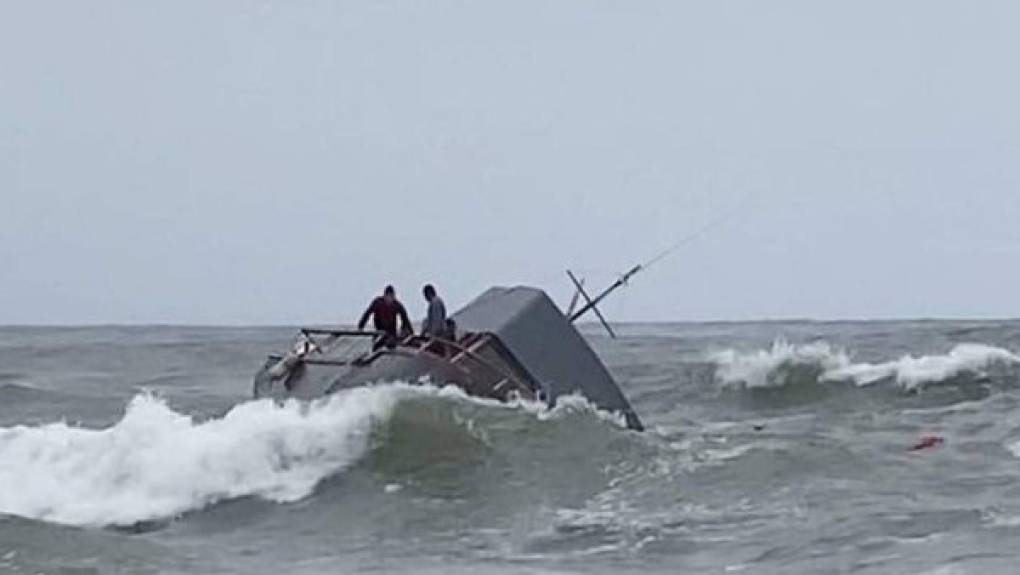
(771, 448)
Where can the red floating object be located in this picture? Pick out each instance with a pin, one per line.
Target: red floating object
(928, 442)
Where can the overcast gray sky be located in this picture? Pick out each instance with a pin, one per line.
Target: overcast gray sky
(269, 162)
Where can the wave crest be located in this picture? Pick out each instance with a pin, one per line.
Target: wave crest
(156, 463)
(772, 367)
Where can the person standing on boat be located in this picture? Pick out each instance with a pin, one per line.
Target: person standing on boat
(385, 310)
(435, 319)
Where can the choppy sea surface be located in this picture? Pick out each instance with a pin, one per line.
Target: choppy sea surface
(771, 448)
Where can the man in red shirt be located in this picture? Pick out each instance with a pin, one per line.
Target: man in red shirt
(384, 311)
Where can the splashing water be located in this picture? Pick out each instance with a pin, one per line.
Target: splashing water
(156, 463)
(755, 369)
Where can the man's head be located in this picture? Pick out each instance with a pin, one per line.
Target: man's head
(389, 294)
(429, 292)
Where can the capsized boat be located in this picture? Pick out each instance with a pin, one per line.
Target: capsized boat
(510, 343)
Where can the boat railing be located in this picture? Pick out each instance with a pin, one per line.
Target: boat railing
(309, 333)
(310, 341)
(318, 346)
(431, 344)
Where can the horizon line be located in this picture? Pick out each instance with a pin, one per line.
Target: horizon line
(779, 320)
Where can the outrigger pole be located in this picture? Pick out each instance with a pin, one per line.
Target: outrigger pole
(591, 304)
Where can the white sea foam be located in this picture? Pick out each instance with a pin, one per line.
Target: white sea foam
(753, 369)
(1014, 448)
(757, 369)
(573, 403)
(910, 371)
(156, 463)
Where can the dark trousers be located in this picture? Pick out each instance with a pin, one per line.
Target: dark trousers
(387, 340)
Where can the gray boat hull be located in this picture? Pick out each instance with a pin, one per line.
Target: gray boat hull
(514, 343)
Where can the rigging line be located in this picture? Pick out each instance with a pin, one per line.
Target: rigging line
(623, 279)
(723, 218)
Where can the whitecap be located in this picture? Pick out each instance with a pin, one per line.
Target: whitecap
(757, 368)
(156, 463)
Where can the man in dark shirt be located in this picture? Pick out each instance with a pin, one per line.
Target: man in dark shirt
(384, 311)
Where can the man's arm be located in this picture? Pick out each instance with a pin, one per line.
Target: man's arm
(407, 326)
(364, 316)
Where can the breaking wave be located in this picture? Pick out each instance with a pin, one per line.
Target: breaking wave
(773, 367)
(156, 463)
